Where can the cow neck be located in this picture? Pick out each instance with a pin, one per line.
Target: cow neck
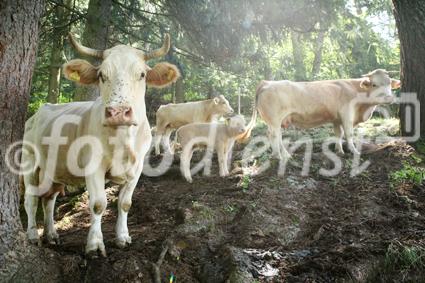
(122, 144)
(231, 132)
(208, 114)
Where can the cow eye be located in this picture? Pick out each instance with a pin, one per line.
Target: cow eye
(142, 75)
(374, 85)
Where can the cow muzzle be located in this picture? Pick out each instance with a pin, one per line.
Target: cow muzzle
(389, 99)
(119, 116)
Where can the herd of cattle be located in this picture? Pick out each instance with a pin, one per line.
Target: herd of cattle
(118, 122)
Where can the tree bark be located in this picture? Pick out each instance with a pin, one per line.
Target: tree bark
(179, 91)
(60, 29)
(19, 22)
(95, 36)
(410, 20)
(298, 54)
(318, 49)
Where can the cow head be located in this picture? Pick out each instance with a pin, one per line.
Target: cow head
(221, 106)
(122, 77)
(378, 86)
(236, 125)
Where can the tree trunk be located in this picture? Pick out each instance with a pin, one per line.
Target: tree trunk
(211, 92)
(19, 21)
(60, 29)
(298, 54)
(267, 70)
(95, 36)
(179, 91)
(318, 49)
(410, 20)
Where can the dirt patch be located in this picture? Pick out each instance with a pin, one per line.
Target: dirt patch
(262, 228)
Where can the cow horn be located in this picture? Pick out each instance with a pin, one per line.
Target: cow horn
(85, 50)
(161, 51)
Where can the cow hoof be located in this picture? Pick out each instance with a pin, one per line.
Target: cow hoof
(52, 238)
(93, 249)
(95, 254)
(123, 242)
(189, 180)
(33, 237)
(35, 241)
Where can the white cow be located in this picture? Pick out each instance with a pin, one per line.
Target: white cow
(172, 116)
(216, 136)
(92, 142)
(343, 103)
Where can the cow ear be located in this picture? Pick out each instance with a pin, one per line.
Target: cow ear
(395, 84)
(365, 83)
(216, 100)
(80, 71)
(162, 75)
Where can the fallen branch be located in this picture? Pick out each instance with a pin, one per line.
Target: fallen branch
(156, 267)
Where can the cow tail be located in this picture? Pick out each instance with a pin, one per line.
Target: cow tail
(243, 138)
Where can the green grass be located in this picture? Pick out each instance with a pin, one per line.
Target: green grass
(408, 174)
(404, 258)
(401, 263)
(244, 182)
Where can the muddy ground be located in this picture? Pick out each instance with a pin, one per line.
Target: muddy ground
(262, 228)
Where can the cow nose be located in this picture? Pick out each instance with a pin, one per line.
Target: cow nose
(231, 110)
(111, 112)
(119, 115)
(125, 111)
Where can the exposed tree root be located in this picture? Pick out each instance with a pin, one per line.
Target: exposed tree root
(156, 267)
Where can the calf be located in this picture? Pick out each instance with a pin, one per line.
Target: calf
(172, 116)
(216, 136)
(93, 142)
(343, 103)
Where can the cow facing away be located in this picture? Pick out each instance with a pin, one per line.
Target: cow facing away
(343, 103)
(172, 116)
(215, 136)
(93, 142)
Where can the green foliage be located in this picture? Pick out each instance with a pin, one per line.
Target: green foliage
(227, 47)
(407, 174)
(404, 257)
(245, 181)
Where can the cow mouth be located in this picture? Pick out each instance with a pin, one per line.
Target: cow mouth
(115, 123)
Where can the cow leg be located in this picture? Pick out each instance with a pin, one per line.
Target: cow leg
(50, 233)
(97, 203)
(347, 124)
(339, 133)
(222, 162)
(185, 158)
(228, 155)
(275, 137)
(31, 204)
(166, 140)
(157, 141)
(124, 203)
